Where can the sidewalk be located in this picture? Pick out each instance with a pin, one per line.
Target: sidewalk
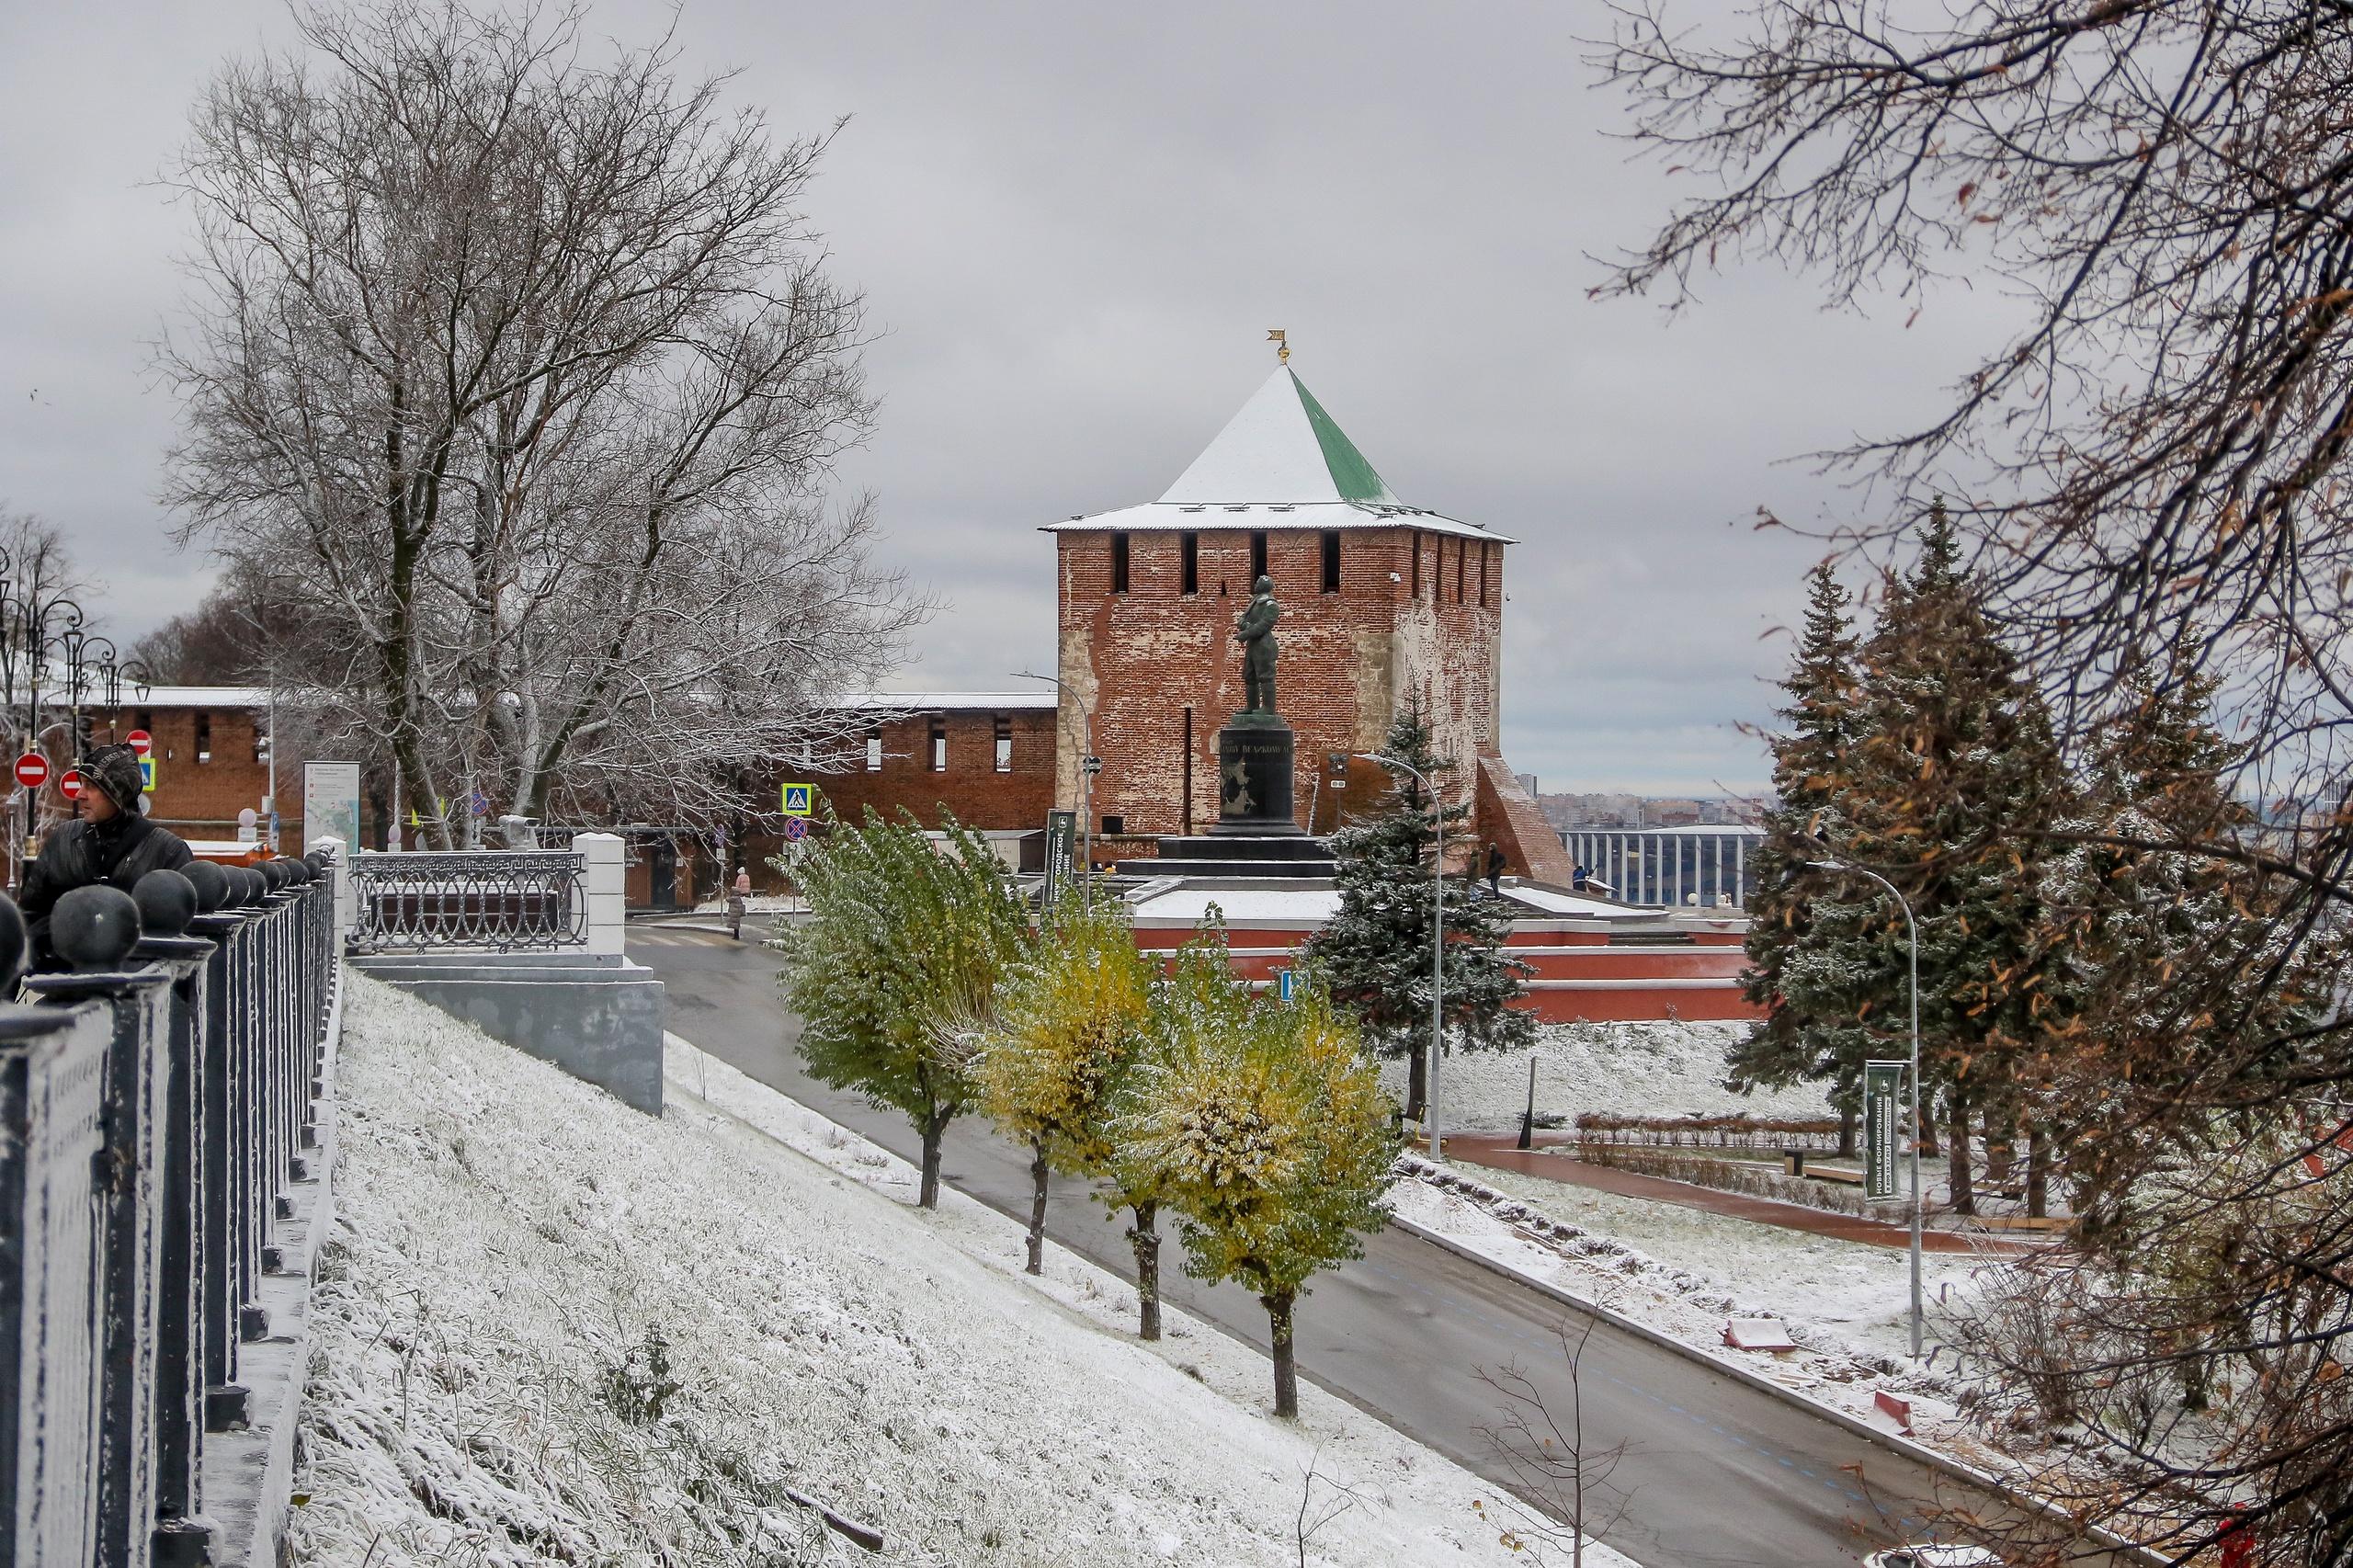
(1497, 1152)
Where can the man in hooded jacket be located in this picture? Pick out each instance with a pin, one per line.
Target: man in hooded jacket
(108, 841)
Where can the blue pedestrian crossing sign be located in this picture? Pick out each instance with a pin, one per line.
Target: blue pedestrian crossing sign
(797, 799)
(147, 775)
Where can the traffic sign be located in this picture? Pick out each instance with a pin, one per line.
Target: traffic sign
(140, 741)
(796, 828)
(69, 784)
(32, 770)
(799, 799)
(147, 775)
(1282, 984)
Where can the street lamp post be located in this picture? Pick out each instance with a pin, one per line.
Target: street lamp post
(1438, 942)
(1086, 766)
(1913, 929)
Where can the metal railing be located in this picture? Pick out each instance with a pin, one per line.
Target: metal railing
(156, 1127)
(493, 899)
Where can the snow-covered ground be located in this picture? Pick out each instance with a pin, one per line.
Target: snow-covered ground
(551, 1328)
(1645, 1069)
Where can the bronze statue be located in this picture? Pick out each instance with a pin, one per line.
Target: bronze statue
(1255, 630)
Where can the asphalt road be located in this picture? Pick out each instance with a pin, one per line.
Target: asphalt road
(1714, 1472)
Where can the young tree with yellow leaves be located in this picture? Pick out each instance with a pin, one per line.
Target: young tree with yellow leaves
(1069, 1022)
(1269, 1130)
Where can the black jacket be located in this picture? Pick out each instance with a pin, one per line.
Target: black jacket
(78, 854)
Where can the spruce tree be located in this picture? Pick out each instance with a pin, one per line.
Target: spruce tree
(1803, 1039)
(1954, 778)
(1373, 955)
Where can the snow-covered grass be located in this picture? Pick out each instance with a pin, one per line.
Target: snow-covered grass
(1639, 1069)
(549, 1328)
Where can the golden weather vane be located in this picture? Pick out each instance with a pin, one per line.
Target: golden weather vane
(1282, 345)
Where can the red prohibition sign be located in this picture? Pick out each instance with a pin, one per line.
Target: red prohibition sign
(32, 770)
(69, 783)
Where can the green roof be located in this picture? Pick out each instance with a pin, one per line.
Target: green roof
(1351, 474)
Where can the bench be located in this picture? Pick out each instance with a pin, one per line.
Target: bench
(1793, 1163)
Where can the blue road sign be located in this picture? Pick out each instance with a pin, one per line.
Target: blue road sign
(798, 798)
(1282, 984)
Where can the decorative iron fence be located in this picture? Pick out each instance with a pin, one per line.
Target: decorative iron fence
(156, 1129)
(493, 899)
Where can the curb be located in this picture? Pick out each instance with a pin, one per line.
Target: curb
(1918, 1453)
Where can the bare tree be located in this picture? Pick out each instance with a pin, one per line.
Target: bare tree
(524, 374)
(2156, 459)
(1567, 1475)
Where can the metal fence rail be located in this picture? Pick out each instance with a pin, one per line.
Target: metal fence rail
(496, 901)
(154, 1118)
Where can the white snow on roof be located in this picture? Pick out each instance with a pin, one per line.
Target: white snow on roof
(1570, 903)
(1203, 517)
(1304, 905)
(1268, 451)
(946, 701)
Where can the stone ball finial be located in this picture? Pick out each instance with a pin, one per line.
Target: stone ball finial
(210, 882)
(167, 902)
(297, 871)
(95, 927)
(242, 885)
(12, 944)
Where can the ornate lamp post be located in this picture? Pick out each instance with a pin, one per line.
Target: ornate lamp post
(34, 628)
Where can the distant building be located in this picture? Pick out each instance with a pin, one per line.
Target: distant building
(1667, 867)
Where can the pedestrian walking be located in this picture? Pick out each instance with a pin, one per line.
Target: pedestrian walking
(1495, 867)
(736, 897)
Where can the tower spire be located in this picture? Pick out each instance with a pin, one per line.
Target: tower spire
(1276, 336)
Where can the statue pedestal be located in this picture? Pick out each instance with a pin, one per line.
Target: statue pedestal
(1253, 765)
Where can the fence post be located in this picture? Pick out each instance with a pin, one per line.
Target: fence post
(601, 859)
(135, 1097)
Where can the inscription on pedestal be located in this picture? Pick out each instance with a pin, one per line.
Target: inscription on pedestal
(1255, 779)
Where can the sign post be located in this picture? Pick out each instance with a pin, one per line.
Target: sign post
(1062, 852)
(330, 802)
(1882, 1097)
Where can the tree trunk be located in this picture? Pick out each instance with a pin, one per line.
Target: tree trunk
(1847, 1132)
(1417, 1080)
(1038, 1174)
(1286, 1370)
(1956, 1164)
(1144, 1236)
(2038, 1173)
(934, 1130)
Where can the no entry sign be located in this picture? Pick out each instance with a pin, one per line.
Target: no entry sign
(32, 770)
(69, 783)
(140, 741)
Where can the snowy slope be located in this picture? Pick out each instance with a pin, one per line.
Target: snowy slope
(1650, 1069)
(551, 1329)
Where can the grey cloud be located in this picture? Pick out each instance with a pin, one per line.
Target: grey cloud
(1072, 224)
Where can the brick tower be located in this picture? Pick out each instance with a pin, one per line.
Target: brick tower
(1383, 604)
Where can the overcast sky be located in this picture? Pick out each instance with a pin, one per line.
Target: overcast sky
(1073, 224)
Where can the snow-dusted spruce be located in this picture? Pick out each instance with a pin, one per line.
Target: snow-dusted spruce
(1798, 1043)
(1069, 1021)
(551, 493)
(1270, 1131)
(1945, 787)
(894, 971)
(1374, 953)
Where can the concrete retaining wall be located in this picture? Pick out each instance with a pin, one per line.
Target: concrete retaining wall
(598, 1017)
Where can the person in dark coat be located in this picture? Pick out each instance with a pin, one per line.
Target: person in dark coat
(108, 842)
(1495, 867)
